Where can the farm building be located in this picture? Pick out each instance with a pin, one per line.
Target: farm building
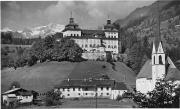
(18, 94)
(89, 88)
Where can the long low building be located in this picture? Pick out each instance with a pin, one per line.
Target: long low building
(90, 88)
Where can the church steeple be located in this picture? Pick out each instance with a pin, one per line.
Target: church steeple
(153, 50)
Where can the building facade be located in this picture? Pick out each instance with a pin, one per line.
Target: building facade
(92, 40)
(17, 94)
(159, 67)
(90, 88)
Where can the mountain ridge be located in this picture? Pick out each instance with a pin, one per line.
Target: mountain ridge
(35, 32)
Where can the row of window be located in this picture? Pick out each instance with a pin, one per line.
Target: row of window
(86, 89)
(87, 94)
(109, 36)
(96, 46)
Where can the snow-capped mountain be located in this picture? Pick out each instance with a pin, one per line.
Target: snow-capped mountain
(6, 30)
(40, 31)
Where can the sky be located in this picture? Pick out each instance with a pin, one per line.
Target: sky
(18, 15)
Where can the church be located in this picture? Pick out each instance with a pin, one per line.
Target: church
(93, 41)
(159, 67)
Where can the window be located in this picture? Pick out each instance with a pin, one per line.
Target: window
(109, 46)
(79, 94)
(79, 89)
(86, 93)
(68, 94)
(115, 46)
(90, 45)
(86, 45)
(160, 60)
(154, 59)
(86, 89)
(82, 46)
(71, 34)
(68, 89)
(63, 89)
(94, 45)
(73, 89)
(77, 34)
(107, 93)
(101, 88)
(107, 88)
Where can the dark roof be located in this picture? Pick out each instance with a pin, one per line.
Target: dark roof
(85, 83)
(28, 93)
(173, 74)
(93, 32)
(119, 86)
(110, 27)
(146, 70)
(19, 91)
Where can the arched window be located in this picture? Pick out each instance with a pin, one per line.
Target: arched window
(154, 60)
(160, 60)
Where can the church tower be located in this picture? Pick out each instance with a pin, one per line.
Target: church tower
(158, 55)
(158, 62)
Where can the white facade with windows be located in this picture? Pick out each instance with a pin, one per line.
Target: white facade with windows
(89, 89)
(92, 39)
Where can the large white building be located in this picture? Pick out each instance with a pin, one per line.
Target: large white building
(92, 40)
(159, 67)
(88, 88)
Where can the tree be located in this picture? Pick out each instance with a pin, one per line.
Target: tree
(163, 96)
(15, 84)
(38, 50)
(53, 98)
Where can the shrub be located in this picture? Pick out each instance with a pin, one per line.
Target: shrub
(119, 97)
(53, 98)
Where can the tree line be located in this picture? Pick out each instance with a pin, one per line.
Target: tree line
(47, 49)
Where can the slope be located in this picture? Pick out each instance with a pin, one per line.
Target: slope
(44, 76)
(40, 77)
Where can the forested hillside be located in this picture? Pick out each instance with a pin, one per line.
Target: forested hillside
(139, 28)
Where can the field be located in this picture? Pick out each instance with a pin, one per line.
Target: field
(40, 77)
(90, 103)
(44, 76)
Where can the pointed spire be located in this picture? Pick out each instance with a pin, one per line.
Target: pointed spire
(153, 50)
(160, 48)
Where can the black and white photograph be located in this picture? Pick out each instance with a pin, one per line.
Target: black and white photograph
(90, 54)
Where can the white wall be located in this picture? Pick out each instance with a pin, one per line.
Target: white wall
(115, 93)
(111, 34)
(25, 99)
(113, 45)
(143, 85)
(83, 93)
